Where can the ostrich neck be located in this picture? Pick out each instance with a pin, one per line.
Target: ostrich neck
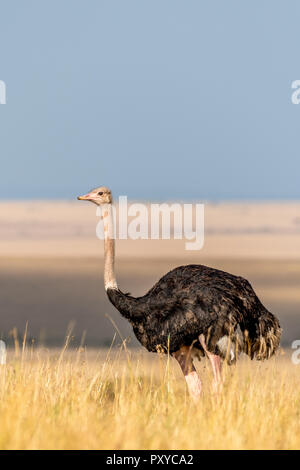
(109, 248)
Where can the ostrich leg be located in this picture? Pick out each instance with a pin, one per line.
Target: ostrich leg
(185, 360)
(215, 363)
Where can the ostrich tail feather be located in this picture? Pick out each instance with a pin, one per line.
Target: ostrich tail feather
(263, 339)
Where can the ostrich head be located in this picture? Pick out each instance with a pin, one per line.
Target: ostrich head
(99, 196)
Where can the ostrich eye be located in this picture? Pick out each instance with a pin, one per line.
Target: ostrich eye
(100, 193)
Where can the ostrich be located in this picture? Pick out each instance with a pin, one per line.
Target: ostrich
(192, 311)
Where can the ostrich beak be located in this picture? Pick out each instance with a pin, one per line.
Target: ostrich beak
(86, 197)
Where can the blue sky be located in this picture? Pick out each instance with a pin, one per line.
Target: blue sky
(159, 99)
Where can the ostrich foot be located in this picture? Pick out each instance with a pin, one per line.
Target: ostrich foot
(184, 358)
(194, 385)
(217, 388)
(217, 371)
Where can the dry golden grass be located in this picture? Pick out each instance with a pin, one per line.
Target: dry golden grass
(112, 400)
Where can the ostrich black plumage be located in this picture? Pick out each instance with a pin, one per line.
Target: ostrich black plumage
(192, 311)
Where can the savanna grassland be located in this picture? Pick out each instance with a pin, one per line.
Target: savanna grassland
(118, 399)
